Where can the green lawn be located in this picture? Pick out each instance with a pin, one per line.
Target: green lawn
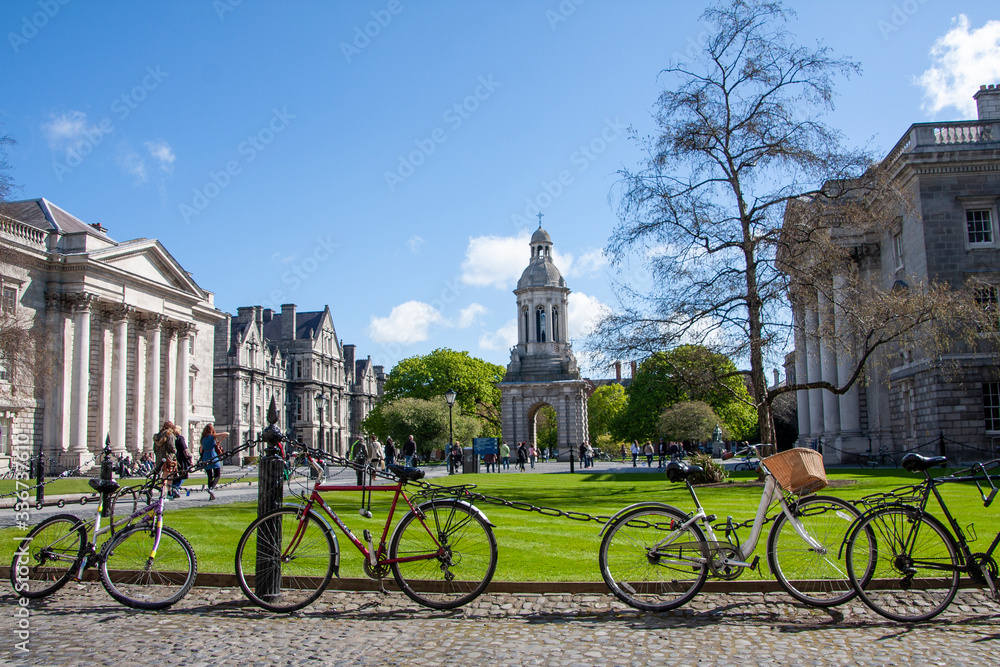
(65, 485)
(539, 548)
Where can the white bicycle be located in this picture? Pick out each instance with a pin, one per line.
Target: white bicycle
(657, 557)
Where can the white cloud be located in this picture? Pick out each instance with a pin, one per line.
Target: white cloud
(468, 315)
(407, 323)
(503, 338)
(963, 59)
(411, 322)
(133, 164)
(161, 151)
(414, 244)
(68, 131)
(495, 261)
(584, 312)
(589, 264)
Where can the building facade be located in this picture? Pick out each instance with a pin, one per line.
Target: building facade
(951, 174)
(322, 393)
(542, 369)
(126, 338)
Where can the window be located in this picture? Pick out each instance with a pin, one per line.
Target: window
(191, 343)
(980, 225)
(897, 249)
(8, 301)
(987, 298)
(4, 373)
(245, 413)
(540, 324)
(527, 332)
(298, 408)
(298, 369)
(555, 325)
(991, 405)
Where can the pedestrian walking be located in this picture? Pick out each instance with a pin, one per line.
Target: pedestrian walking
(211, 456)
(165, 451)
(522, 456)
(184, 462)
(583, 455)
(390, 451)
(635, 453)
(647, 449)
(588, 453)
(662, 451)
(409, 451)
(532, 455)
(624, 453)
(505, 455)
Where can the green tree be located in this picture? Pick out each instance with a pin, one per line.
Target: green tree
(689, 420)
(432, 375)
(546, 428)
(425, 420)
(686, 373)
(603, 407)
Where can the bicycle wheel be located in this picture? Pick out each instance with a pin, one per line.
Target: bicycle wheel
(455, 554)
(284, 561)
(741, 467)
(912, 561)
(48, 556)
(649, 564)
(815, 576)
(141, 577)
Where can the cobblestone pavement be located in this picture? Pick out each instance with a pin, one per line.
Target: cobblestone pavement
(81, 625)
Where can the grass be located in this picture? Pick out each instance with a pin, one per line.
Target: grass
(67, 485)
(534, 547)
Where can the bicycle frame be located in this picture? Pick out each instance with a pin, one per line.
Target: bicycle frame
(154, 511)
(371, 554)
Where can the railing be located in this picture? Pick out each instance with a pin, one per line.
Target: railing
(22, 231)
(962, 133)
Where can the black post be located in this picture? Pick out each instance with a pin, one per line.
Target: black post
(106, 476)
(571, 458)
(270, 488)
(40, 478)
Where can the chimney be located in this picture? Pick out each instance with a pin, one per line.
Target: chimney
(288, 321)
(244, 314)
(988, 102)
(268, 314)
(258, 314)
(777, 378)
(618, 372)
(349, 362)
(99, 227)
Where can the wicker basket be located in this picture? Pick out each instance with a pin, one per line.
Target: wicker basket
(798, 470)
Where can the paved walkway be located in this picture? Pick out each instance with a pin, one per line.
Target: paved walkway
(82, 625)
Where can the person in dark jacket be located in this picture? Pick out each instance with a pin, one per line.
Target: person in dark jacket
(409, 451)
(184, 462)
(390, 451)
(522, 455)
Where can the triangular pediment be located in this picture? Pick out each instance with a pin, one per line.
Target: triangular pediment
(147, 259)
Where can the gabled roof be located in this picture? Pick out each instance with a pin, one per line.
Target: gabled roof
(306, 323)
(150, 260)
(43, 214)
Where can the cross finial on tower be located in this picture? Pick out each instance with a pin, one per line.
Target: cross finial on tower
(540, 214)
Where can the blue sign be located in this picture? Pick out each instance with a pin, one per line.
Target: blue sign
(484, 446)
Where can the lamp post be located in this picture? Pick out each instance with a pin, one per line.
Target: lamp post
(450, 397)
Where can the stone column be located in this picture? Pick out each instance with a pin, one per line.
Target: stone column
(828, 367)
(850, 439)
(801, 375)
(813, 371)
(55, 425)
(183, 371)
(106, 360)
(119, 389)
(153, 421)
(170, 376)
(78, 452)
(141, 444)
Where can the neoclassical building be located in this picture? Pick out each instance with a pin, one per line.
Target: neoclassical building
(951, 173)
(321, 391)
(542, 369)
(127, 337)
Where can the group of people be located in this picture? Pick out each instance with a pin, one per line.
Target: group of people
(661, 451)
(172, 458)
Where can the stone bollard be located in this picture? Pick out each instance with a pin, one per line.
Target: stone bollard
(270, 490)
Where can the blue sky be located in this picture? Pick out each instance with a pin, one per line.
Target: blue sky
(386, 157)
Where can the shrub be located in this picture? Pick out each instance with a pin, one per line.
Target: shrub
(712, 472)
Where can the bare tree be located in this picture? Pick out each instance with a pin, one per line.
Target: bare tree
(741, 138)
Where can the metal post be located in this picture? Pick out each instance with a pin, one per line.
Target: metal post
(571, 458)
(107, 474)
(270, 488)
(450, 397)
(40, 478)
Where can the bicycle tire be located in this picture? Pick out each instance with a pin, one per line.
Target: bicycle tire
(297, 578)
(60, 539)
(815, 577)
(913, 561)
(139, 580)
(742, 467)
(635, 571)
(466, 562)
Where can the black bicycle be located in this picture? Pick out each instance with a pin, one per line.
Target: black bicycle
(873, 460)
(904, 562)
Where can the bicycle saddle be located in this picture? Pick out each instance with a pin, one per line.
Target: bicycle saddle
(917, 463)
(678, 471)
(103, 485)
(409, 474)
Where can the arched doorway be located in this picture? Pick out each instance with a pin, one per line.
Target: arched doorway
(543, 421)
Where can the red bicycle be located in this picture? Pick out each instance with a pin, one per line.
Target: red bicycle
(442, 553)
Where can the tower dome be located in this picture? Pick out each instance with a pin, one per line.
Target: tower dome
(541, 272)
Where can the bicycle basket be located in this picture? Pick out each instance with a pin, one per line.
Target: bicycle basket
(798, 470)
